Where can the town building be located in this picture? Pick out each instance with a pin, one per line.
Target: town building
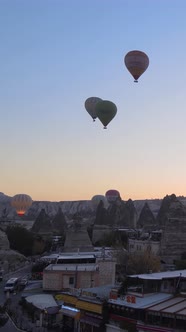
(61, 276)
(152, 302)
(139, 246)
(140, 242)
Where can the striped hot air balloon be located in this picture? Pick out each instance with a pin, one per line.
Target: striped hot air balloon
(112, 195)
(21, 203)
(97, 199)
(136, 62)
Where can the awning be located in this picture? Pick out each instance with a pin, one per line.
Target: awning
(93, 321)
(89, 306)
(52, 310)
(70, 311)
(42, 301)
(66, 298)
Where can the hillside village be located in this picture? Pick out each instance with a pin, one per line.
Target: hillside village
(106, 268)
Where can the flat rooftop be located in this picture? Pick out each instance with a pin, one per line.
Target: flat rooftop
(76, 256)
(160, 275)
(71, 267)
(142, 302)
(175, 306)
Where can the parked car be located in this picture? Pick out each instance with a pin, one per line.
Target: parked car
(11, 285)
(23, 281)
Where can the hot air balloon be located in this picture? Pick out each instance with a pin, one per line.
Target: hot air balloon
(136, 62)
(112, 195)
(90, 104)
(106, 111)
(21, 202)
(97, 199)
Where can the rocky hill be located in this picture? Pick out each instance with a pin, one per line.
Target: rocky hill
(52, 218)
(124, 213)
(146, 218)
(171, 207)
(9, 259)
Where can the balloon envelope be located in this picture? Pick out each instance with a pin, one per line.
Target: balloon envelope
(112, 195)
(136, 62)
(90, 104)
(97, 199)
(106, 111)
(21, 202)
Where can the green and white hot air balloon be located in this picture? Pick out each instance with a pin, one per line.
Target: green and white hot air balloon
(90, 105)
(106, 111)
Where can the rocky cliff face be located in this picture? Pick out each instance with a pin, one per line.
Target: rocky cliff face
(172, 220)
(118, 214)
(51, 209)
(9, 259)
(59, 224)
(146, 219)
(4, 243)
(168, 214)
(171, 207)
(42, 224)
(124, 214)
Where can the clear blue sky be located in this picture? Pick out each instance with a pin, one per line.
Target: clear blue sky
(54, 55)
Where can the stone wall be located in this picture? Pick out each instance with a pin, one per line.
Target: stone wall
(107, 270)
(4, 243)
(173, 242)
(99, 231)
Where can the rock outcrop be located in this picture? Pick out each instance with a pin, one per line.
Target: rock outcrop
(4, 243)
(146, 219)
(171, 207)
(9, 259)
(42, 224)
(118, 214)
(59, 224)
(172, 220)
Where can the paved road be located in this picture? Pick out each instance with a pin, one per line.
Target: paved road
(16, 274)
(8, 327)
(25, 322)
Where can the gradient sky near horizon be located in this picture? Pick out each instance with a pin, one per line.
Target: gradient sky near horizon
(54, 55)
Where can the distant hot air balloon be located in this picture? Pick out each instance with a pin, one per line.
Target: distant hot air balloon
(90, 104)
(21, 202)
(106, 111)
(136, 62)
(97, 199)
(112, 195)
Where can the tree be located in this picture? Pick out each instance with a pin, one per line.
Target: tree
(181, 263)
(113, 239)
(144, 263)
(20, 239)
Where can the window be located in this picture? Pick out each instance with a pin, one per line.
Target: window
(71, 280)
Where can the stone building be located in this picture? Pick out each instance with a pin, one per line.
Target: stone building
(173, 242)
(58, 277)
(78, 275)
(140, 246)
(77, 240)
